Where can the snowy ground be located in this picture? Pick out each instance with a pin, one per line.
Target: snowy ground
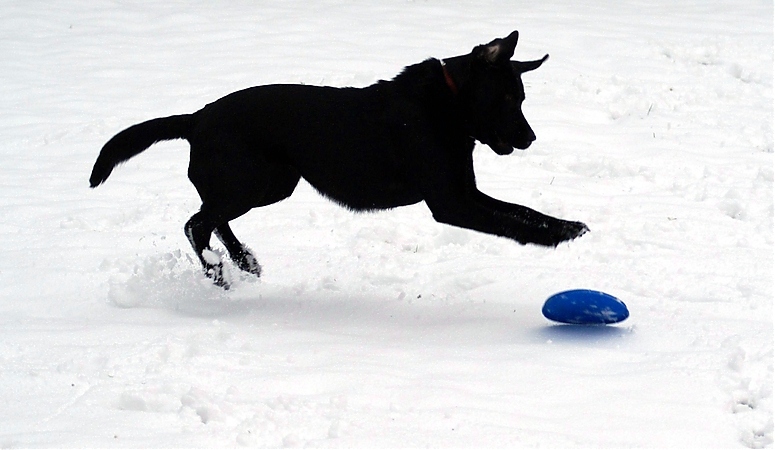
(654, 123)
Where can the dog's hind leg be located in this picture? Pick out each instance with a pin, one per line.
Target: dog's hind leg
(279, 184)
(270, 184)
(198, 230)
(239, 253)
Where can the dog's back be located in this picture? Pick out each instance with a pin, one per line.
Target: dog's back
(350, 144)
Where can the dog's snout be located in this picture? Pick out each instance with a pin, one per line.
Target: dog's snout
(526, 140)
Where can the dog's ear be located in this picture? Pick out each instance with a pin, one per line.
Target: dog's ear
(497, 50)
(527, 66)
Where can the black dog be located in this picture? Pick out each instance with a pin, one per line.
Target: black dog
(391, 144)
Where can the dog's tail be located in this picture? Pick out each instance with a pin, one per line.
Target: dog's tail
(135, 139)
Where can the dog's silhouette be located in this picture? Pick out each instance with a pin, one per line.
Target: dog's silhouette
(391, 144)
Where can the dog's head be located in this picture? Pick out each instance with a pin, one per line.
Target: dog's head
(491, 94)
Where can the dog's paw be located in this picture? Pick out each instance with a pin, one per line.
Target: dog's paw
(214, 269)
(552, 232)
(558, 231)
(567, 231)
(247, 262)
(219, 277)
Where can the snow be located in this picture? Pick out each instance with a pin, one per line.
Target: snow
(654, 123)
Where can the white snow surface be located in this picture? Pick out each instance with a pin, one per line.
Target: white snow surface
(655, 127)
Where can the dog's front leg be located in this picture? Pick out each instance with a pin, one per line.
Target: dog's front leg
(548, 229)
(447, 182)
(476, 211)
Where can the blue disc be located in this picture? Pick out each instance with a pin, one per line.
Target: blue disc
(585, 307)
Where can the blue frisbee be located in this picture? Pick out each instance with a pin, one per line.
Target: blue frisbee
(585, 307)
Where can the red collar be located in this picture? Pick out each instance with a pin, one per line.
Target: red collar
(448, 78)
